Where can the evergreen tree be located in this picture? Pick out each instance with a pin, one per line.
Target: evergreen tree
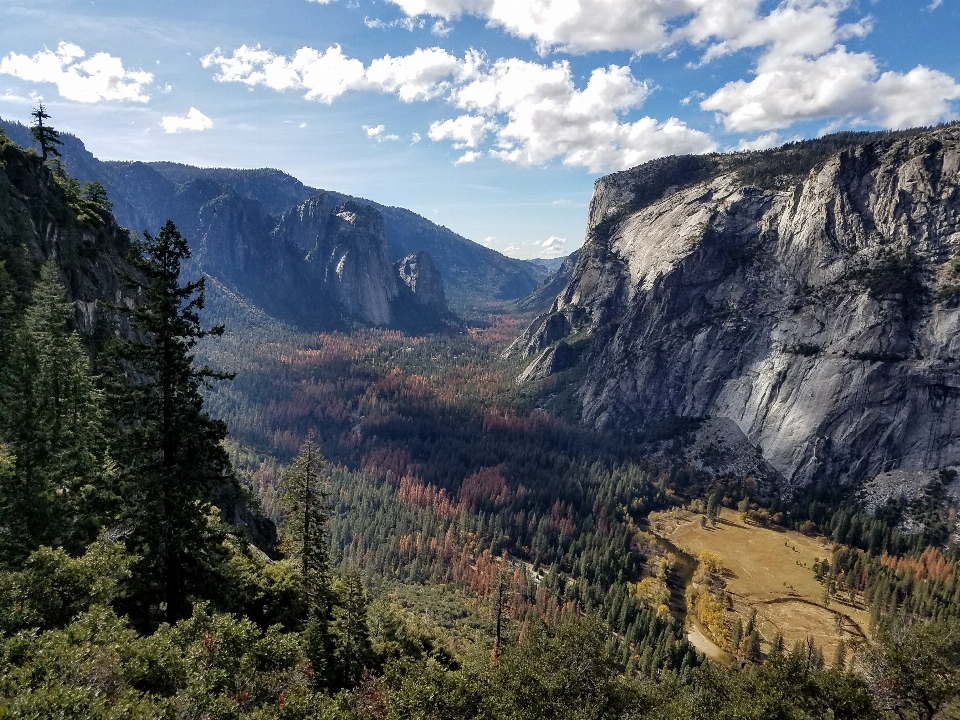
(350, 629)
(51, 420)
(304, 536)
(168, 449)
(45, 135)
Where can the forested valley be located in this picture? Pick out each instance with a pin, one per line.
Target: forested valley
(205, 513)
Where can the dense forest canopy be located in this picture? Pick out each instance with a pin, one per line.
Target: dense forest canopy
(422, 499)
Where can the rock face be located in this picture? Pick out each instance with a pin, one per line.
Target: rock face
(819, 312)
(223, 212)
(353, 262)
(418, 273)
(38, 222)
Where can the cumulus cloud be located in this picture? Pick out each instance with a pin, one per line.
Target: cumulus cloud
(468, 157)
(552, 247)
(548, 116)
(804, 72)
(419, 76)
(378, 133)
(193, 120)
(837, 84)
(90, 80)
(329, 74)
(535, 111)
(325, 76)
(644, 26)
(763, 142)
(468, 131)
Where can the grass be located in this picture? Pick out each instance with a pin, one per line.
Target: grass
(772, 571)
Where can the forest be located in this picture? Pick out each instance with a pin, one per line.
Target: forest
(207, 514)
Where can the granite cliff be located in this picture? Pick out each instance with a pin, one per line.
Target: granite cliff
(231, 219)
(809, 294)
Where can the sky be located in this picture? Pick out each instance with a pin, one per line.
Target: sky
(491, 117)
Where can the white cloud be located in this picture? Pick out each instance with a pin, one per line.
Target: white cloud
(419, 76)
(100, 77)
(406, 23)
(440, 28)
(547, 116)
(512, 250)
(193, 120)
(468, 157)
(415, 138)
(837, 84)
(488, 241)
(325, 76)
(377, 133)
(644, 26)
(763, 142)
(552, 247)
(328, 75)
(535, 111)
(468, 131)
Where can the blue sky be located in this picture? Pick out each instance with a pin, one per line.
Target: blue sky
(492, 117)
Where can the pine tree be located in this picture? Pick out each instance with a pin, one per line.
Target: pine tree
(168, 449)
(350, 630)
(304, 534)
(45, 135)
(52, 423)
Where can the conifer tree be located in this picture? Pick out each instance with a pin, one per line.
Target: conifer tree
(168, 449)
(350, 629)
(52, 423)
(304, 536)
(45, 135)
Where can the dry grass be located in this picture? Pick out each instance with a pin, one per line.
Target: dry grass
(771, 572)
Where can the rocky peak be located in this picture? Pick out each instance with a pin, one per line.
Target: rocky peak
(355, 264)
(418, 273)
(811, 295)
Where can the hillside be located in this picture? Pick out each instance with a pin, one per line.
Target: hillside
(807, 293)
(146, 194)
(454, 548)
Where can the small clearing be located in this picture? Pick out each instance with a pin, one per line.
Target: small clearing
(771, 571)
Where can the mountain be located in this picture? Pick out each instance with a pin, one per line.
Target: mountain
(146, 194)
(541, 299)
(809, 294)
(42, 218)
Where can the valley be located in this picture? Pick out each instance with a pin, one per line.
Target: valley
(502, 491)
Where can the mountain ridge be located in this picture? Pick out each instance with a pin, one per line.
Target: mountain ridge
(146, 194)
(809, 299)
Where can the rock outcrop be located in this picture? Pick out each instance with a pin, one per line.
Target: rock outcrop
(353, 262)
(418, 273)
(819, 310)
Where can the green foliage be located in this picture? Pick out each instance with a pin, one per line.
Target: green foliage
(168, 449)
(915, 669)
(51, 419)
(47, 138)
(52, 588)
(304, 530)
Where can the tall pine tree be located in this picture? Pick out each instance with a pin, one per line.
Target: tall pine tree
(168, 449)
(305, 515)
(51, 422)
(45, 135)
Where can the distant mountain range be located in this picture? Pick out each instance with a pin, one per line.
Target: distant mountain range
(285, 246)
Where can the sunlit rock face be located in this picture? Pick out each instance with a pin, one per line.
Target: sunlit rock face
(819, 312)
